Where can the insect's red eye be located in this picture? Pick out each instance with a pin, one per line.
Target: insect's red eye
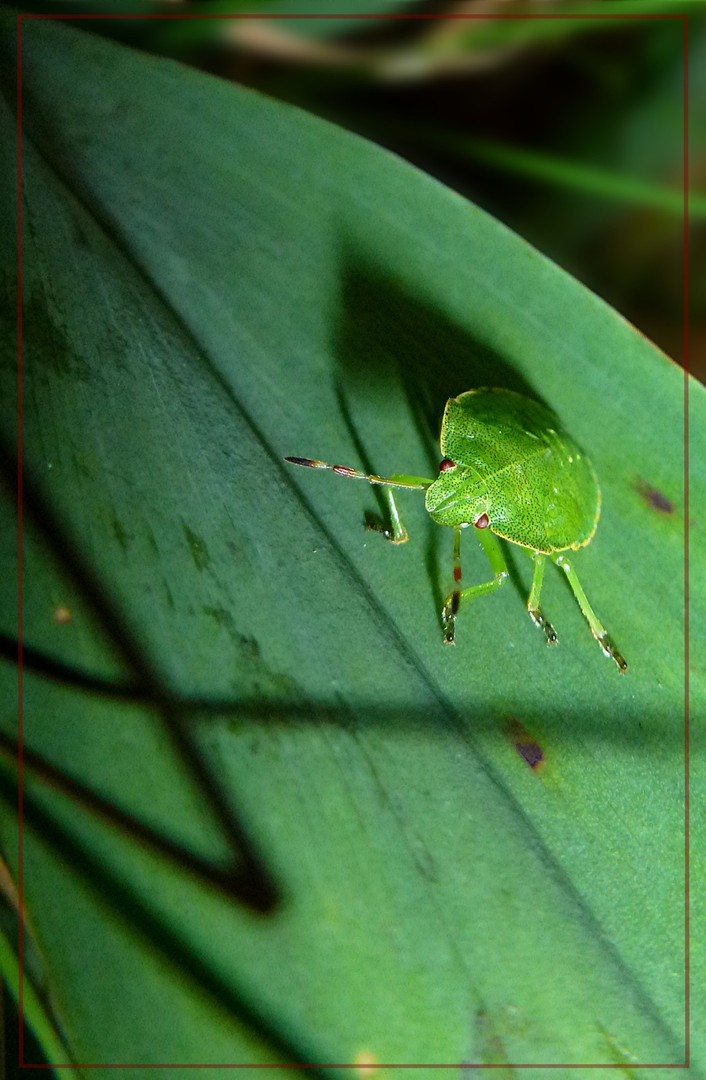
(447, 465)
(482, 522)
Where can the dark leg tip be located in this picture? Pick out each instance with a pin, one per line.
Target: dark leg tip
(610, 650)
(549, 632)
(621, 662)
(448, 622)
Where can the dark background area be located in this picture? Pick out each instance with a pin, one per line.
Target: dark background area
(570, 130)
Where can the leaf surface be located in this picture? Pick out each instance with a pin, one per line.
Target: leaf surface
(480, 850)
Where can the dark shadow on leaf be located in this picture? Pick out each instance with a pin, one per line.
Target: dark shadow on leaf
(250, 882)
(656, 730)
(137, 916)
(388, 346)
(389, 336)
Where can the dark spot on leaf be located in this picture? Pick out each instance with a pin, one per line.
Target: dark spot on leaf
(168, 592)
(655, 499)
(426, 864)
(120, 533)
(528, 748)
(152, 542)
(198, 549)
(488, 1047)
(48, 341)
(250, 647)
(222, 617)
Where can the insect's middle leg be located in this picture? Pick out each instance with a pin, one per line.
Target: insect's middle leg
(458, 596)
(533, 599)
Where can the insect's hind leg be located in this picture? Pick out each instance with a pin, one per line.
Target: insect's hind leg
(597, 629)
(458, 596)
(533, 608)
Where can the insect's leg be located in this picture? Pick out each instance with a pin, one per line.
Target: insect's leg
(397, 534)
(458, 596)
(597, 629)
(533, 599)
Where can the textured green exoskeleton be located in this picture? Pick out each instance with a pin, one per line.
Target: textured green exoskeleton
(509, 469)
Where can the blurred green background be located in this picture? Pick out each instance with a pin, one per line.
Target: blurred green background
(568, 129)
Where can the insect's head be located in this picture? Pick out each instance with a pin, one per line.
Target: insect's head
(457, 497)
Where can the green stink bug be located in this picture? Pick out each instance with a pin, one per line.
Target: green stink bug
(507, 469)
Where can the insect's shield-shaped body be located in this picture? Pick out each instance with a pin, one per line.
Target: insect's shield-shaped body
(514, 463)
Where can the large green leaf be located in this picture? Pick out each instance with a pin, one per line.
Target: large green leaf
(213, 281)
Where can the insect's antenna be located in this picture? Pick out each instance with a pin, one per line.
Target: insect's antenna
(415, 483)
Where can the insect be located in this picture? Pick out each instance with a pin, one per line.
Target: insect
(508, 470)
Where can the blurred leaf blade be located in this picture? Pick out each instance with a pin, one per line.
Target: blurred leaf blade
(36, 1013)
(268, 286)
(580, 177)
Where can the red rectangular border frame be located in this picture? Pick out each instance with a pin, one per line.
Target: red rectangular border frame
(603, 16)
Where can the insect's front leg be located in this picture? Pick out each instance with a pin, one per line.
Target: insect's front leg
(396, 533)
(458, 596)
(533, 600)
